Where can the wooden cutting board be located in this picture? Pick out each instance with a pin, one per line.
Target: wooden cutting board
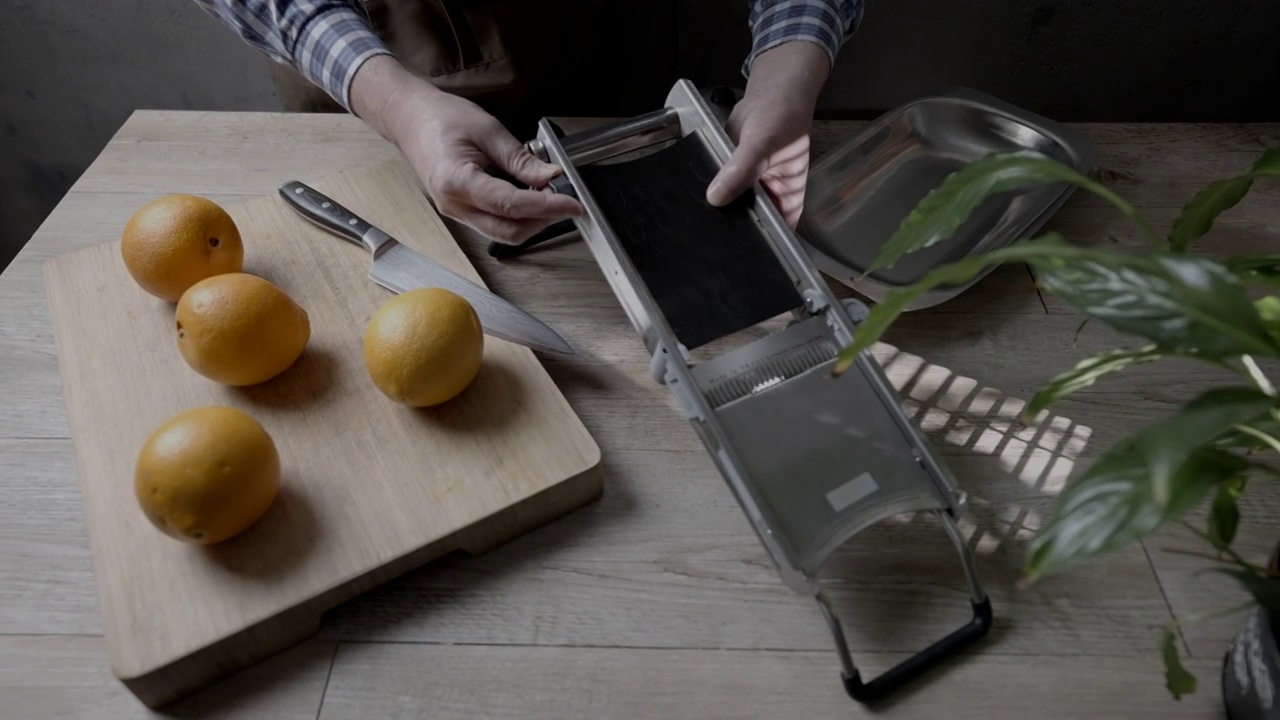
(370, 489)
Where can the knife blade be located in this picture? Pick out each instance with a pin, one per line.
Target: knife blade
(399, 268)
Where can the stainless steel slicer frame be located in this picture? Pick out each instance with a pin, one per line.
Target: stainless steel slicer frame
(771, 413)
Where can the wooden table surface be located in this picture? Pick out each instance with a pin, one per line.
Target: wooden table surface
(658, 601)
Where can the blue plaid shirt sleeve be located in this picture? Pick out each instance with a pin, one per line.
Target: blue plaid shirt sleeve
(827, 23)
(325, 40)
(328, 40)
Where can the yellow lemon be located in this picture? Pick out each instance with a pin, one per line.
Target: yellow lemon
(207, 474)
(175, 241)
(423, 347)
(239, 329)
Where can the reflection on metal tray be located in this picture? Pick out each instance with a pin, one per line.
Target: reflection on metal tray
(859, 193)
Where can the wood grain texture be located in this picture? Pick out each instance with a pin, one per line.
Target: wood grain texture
(46, 572)
(664, 560)
(370, 488)
(622, 574)
(384, 681)
(64, 677)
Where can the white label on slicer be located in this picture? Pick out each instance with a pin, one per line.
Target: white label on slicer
(852, 491)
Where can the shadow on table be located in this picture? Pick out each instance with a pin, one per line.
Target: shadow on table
(899, 584)
(301, 668)
(461, 584)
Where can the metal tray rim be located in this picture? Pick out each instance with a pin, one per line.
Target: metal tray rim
(1079, 150)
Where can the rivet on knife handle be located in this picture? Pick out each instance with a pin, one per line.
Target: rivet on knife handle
(323, 211)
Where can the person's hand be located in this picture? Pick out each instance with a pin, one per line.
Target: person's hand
(450, 142)
(771, 125)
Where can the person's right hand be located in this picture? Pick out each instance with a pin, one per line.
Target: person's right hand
(450, 142)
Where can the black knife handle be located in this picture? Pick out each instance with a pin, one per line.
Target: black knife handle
(325, 212)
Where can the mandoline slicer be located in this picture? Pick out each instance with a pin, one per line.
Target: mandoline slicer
(811, 457)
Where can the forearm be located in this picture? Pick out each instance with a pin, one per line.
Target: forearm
(327, 41)
(793, 70)
(824, 24)
(379, 97)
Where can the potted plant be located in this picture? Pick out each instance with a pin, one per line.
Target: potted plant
(1172, 302)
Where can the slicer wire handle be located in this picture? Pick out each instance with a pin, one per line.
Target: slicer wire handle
(890, 680)
(914, 666)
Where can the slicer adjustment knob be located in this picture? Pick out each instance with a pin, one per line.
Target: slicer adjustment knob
(561, 186)
(537, 149)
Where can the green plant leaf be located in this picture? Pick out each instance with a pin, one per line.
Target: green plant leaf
(1177, 678)
(1198, 215)
(1165, 445)
(947, 206)
(1265, 440)
(1237, 437)
(1269, 310)
(883, 313)
(1085, 373)
(1244, 263)
(1259, 378)
(1113, 504)
(1264, 589)
(1224, 513)
(1257, 269)
(1269, 163)
(1183, 304)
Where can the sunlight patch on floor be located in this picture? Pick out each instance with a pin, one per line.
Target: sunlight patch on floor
(960, 412)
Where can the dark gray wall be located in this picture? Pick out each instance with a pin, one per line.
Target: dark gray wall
(1072, 60)
(75, 69)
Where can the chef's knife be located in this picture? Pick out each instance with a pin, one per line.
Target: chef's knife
(400, 268)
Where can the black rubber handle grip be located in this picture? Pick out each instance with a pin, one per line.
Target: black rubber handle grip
(912, 667)
(560, 229)
(559, 184)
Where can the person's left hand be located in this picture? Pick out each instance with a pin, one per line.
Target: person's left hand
(771, 125)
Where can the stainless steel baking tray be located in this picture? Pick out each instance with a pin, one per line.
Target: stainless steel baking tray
(859, 192)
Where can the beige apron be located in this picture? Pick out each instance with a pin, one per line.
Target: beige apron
(499, 53)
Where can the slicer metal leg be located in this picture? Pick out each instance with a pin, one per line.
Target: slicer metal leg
(892, 679)
(966, 556)
(847, 668)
